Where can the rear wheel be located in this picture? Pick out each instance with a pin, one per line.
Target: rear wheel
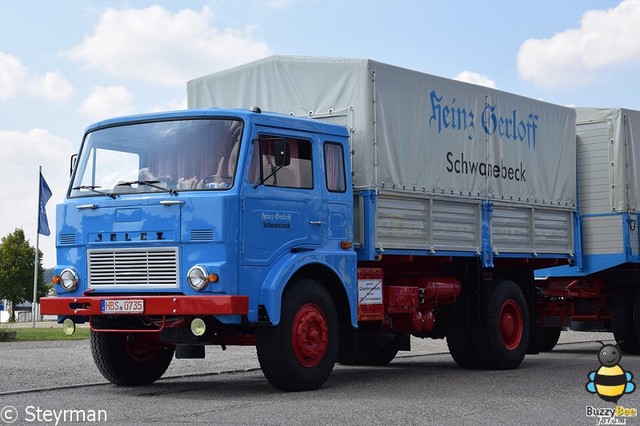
(299, 353)
(372, 350)
(636, 315)
(134, 359)
(461, 347)
(502, 337)
(549, 337)
(624, 311)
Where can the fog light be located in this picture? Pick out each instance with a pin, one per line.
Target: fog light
(198, 327)
(69, 279)
(197, 278)
(68, 326)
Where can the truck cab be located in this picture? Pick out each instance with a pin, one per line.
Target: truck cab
(189, 228)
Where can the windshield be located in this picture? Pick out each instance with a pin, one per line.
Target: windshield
(171, 156)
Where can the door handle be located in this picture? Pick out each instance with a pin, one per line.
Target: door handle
(315, 222)
(87, 206)
(168, 203)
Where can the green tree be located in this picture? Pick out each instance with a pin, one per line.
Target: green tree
(16, 270)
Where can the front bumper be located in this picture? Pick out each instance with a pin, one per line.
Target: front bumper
(153, 305)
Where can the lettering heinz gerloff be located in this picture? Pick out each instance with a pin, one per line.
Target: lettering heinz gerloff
(510, 127)
(279, 220)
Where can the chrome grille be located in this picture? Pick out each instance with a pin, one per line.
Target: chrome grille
(150, 267)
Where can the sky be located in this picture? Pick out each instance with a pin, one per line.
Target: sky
(65, 64)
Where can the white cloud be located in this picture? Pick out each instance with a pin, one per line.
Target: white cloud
(475, 78)
(105, 102)
(51, 86)
(173, 105)
(15, 79)
(573, 57)
(156, 45)
(12, 74)
(22, 153)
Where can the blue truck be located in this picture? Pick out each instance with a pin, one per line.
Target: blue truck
(370, 204)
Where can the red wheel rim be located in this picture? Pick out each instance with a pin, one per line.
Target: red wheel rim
(309, 335)
(140, 349)
(511, 324)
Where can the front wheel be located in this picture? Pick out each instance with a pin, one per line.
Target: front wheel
(134, 359)
(502, 337)
(299, 353)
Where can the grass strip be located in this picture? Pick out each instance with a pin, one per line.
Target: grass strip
(37, 334)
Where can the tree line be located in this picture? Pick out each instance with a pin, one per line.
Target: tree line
(17, 257)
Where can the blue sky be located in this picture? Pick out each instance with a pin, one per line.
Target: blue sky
(65, 64)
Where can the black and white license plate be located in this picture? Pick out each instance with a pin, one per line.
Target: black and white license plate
(122, 306)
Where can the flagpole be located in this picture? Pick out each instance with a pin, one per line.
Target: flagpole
(37, 257)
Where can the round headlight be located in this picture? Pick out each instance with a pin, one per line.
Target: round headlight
(69, 279)
(197, 278)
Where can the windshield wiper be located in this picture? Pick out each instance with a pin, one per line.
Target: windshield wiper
(151, 183)
(92, 188)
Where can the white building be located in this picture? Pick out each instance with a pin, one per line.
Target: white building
(4, 313)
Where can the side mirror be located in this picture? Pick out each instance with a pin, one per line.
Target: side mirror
(277, 147)
(72, 163)
(281, 154)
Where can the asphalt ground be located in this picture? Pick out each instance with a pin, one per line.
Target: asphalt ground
(424, 386)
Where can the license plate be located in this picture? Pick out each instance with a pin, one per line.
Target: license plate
(122, 306)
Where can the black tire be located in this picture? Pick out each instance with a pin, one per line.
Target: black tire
(461, 347)
(502, 337)
(130, 359)
(304, 362)
(624, 311)
(374, 351)
(636, 315)
(549, 337)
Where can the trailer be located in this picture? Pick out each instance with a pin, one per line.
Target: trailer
(370, 204)
(600, 290)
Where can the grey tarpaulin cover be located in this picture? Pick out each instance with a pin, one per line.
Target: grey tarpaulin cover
(619, 151)
(414, 132)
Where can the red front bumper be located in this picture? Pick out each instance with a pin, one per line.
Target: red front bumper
(153, 305)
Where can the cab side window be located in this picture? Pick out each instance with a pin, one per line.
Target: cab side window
(334, 167)
(296, 173)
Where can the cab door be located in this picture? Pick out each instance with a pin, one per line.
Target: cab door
(282, 207)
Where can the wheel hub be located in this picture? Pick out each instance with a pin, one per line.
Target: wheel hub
(511, 324)
(140, 349)
(309, 335)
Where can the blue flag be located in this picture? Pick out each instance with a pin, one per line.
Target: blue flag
(44, 195)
